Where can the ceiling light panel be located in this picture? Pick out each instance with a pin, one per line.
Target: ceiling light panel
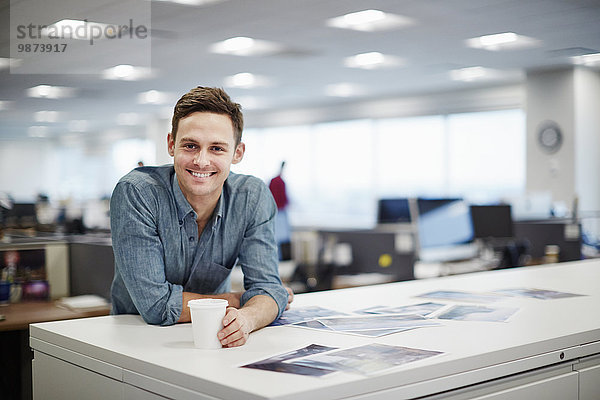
(344, 89)
(47, 116)
(153, 97)
(245, 46)
(10, 62)
(476, 73)
(589, 60)
(370, 21)
(246, 80)
(191, 2)
(126, 72)
(372, 60)
(129, 119)
(502, 41)
(51, 92)
(39, 131)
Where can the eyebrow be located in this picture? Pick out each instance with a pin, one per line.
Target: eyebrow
(191, 140)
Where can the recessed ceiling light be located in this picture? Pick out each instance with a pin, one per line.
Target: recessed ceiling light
(372, 60)
(468, 74)
(370, 20)
(190, 2)
(502, 41)
(37, 131)
(344, 90)
(251, 102)
(79, 125)
(47, 116)
(78, 30)
(245, 46)
(589, 60)
(127, 72)
(51, 92)
(153, 97)
(129, 119)
(10, 62)
(246, 80)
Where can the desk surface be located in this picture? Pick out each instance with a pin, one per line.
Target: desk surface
(18, 316)
(541, 333)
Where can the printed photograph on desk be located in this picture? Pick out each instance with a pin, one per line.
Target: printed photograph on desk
(538, 293)
(463, 296)
(479, 313)
(365, 360)
(277, 364)
(371, 325)
(302, 314)
(422, 309)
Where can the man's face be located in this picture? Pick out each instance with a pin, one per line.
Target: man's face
(203, 152)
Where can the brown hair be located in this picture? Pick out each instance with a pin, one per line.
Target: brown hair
(209, 99)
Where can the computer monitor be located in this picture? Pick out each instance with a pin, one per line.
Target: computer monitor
(492, 221)
(22, 215)
(445, 230)
(393, 211)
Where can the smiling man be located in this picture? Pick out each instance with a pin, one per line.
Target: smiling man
(179, 229)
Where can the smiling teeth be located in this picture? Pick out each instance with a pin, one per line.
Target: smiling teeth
(199, 175)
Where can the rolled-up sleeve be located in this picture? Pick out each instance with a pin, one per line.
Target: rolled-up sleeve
(140, 285)
(258, 255)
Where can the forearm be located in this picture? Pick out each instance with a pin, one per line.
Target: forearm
(259, 311)
(232, 298)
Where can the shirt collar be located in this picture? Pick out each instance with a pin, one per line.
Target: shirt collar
(183, 207)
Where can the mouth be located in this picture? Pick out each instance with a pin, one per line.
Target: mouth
(201, 174)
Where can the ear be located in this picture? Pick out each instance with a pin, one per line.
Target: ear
(239, 153)
(170, 144)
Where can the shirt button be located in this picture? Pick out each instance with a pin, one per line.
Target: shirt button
(191, 238)
(180, 222)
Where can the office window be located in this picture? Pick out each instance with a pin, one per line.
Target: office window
(486, 153)
(343, 173)
(409, 156)
(265, 151)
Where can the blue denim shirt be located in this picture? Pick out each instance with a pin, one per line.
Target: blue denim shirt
(158, 254)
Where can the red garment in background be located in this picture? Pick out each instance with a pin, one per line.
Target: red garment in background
(277, 187)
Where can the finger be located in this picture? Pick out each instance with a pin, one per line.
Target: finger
(237, 343)
(233, 338)
(230, 315)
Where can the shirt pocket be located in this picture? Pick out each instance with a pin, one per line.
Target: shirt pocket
(206, 278)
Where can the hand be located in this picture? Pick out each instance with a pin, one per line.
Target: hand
(290, 297)
(236, 328)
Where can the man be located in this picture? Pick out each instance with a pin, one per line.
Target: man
(282, 225)
(179, 229)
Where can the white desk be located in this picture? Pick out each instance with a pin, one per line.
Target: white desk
(549, 349)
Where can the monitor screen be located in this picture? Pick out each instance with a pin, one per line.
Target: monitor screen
(444, 222)
(393, 210)
(492, 221)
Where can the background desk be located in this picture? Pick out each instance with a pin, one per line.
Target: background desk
(15, 354)
(549, 349)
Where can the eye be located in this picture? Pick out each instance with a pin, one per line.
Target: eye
(189, 146)
(217, 148)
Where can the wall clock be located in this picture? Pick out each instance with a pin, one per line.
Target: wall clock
(549, 137)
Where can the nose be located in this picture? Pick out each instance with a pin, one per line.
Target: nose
(201, 159)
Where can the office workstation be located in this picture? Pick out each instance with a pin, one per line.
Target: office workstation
(408, 147)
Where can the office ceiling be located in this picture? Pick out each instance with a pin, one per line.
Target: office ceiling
(311, 59)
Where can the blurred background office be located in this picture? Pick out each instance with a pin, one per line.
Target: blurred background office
(489, 101)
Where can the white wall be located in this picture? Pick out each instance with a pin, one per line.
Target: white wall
(550, 96)
(571, 98)
(587, 140)
(26, 168)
